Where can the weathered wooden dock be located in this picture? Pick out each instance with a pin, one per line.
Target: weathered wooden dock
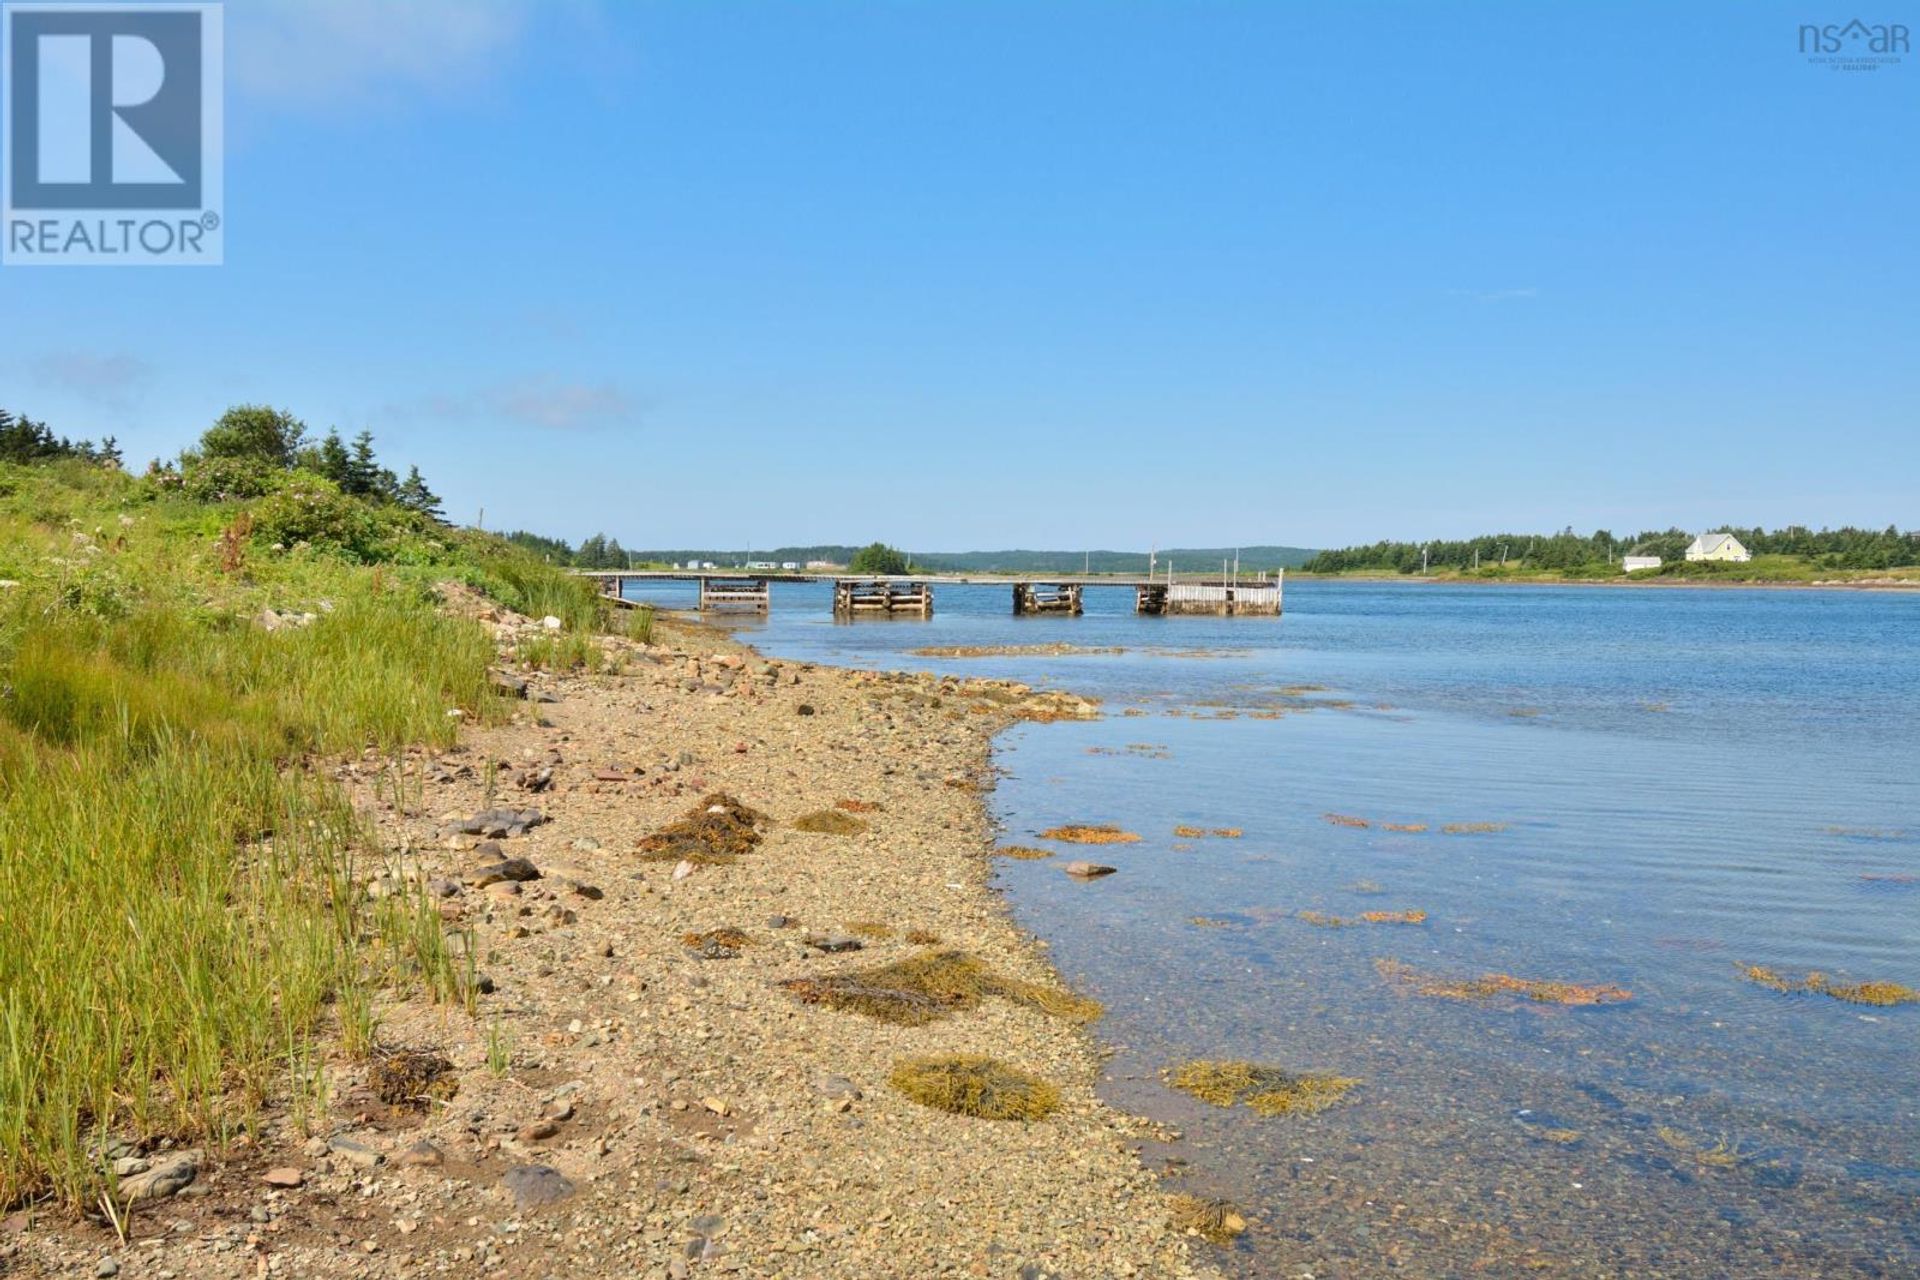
(911, 595)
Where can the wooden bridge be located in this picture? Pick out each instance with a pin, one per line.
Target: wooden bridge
(911, 595)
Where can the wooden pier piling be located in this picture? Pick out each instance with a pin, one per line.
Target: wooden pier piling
(881, 598)
(1047, 597)
(735, 593)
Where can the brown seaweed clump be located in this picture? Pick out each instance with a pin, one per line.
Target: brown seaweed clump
(1344, 820)
(876, 930)
(1268, 1091)
(1494, 986)
(968, 1084)
(1186, 832)
(923, 937)
(1026, 853)
(1723, 1154)
(713, 833)
(1473, 828)
(1081, 833)
(412, 1078)
(1215, 1221)
(716, 944)
(933, 985)
(829, 822)
(1881, 994)
(1403, 826)
(1322, 920)
(858, 806)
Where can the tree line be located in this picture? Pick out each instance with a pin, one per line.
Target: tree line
(1567, 551)
(596, 552)
(23, 440)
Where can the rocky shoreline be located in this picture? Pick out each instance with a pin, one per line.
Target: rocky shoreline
(634, 1091)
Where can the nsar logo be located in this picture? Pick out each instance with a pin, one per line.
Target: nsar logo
(112, 128)
(1855, 45)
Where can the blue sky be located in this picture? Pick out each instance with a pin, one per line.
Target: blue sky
(1044, 274)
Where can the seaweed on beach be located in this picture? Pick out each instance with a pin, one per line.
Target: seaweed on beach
(411, 1078)
(1082, 833)
(1413, 916)
(858, 806)
(716, 944)
(1321, 919)
(1215, 1221)
(1879, 993)
(829, 822)
(923, 937)
(1022, 852)
(1495, 986)
(933, 985)
(1723, 1154)
(876, 930)
(968, 1084)
(1266, 1090)
(713, 833)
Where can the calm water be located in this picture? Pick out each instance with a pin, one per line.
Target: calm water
(1688, 781)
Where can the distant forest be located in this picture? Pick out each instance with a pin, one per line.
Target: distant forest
(601, 552)
(1567, 551)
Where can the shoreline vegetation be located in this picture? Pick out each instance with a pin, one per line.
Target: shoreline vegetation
(334, 943)
(1795, 556)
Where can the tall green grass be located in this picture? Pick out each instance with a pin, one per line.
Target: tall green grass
(178, 905)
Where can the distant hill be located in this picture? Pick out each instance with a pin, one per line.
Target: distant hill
(1185, 559)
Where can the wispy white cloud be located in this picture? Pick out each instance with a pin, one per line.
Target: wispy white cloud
(552, 404)
(112, 380)
(340, 53)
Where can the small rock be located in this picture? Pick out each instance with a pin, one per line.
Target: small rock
(778, 922)
(1082, 870)
(354, 1153)
(420, 1155)
(682, 869)
(536, 1185)
(833, 942)
(284, 1176)
(168, 1176)
(538, 1131)
(719, 1106)
(586, 844)
(105, 1268)
(441, 887)
(835, 1086)
(514, 869)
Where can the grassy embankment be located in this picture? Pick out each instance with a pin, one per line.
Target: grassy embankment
(182, 935)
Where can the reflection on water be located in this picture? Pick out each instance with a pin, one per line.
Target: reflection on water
(1644, 789)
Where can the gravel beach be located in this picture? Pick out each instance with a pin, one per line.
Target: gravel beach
(636, 1096)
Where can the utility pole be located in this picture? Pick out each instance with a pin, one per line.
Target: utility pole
(1423, 562)
(481, 523)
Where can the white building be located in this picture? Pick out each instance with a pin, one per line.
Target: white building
(1718, 546)
(1633, 564)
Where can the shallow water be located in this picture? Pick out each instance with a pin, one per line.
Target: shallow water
(1686, 781)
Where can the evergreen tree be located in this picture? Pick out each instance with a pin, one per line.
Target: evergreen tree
(414, 495)
(331, 459)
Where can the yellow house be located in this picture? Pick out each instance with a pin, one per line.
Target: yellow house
(1718, 546)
